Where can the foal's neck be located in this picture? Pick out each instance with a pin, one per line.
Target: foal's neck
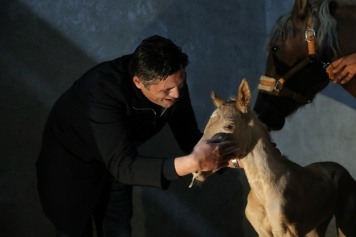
(263, 164)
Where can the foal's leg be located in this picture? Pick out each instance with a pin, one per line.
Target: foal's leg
(321, 229)
(313, 233)
(255, 214)
(345, 213)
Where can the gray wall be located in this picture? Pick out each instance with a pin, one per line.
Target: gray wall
(46, 45)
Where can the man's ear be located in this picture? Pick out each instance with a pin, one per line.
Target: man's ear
(137, 82)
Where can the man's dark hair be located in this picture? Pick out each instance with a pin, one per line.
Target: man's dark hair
(156, 58)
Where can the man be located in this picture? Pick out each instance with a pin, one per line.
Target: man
(89, 161)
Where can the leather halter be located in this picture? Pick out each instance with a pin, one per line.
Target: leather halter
(276, 87)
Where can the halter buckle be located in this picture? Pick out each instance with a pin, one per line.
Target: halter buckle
(325, 65)
(278, 86)
(309, 35)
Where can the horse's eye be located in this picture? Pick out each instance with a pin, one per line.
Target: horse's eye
(274, 49)
(229, 127)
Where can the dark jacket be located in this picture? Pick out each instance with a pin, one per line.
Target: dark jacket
(92, 134)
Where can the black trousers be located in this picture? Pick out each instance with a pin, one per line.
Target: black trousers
(113, 213)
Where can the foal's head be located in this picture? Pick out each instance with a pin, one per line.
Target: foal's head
(235, 120)
(230, 116)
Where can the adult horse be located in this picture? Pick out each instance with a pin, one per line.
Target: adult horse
(301, 46)
(285, 198)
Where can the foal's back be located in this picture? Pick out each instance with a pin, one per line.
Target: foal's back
(345, 206)
(334, 194)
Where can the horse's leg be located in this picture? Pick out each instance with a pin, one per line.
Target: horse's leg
(321, 229)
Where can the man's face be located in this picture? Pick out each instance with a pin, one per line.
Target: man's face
(165, 92)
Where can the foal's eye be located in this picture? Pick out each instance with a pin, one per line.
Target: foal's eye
(229, 127)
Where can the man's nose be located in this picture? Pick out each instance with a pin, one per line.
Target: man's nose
(174, 92)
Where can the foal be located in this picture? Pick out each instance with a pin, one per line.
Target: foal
(285, 199)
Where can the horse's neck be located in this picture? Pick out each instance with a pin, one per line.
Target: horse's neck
(263, 165)
(346, 25)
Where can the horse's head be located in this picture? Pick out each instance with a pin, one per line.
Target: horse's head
(301, 44)
(231, 119)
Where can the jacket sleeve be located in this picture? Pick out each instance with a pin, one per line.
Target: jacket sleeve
(109, 122)
(183, 123)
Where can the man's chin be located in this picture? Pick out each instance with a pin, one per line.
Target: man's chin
(167, 103)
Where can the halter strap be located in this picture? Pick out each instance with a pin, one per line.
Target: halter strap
(310, 36)
(271, 86)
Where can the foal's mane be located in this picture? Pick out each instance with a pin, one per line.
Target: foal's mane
(324, 26)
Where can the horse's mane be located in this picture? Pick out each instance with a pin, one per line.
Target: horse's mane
(324, 25)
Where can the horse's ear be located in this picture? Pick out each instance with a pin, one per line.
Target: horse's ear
(300, 9)
(243, 96)
(217, 101)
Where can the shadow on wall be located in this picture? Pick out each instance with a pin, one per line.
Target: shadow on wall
(37, 64)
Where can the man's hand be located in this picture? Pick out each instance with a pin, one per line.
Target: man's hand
(214, 153)
(344, 68)
(208, 155)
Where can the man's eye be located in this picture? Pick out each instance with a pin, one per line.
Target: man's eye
(181, 85)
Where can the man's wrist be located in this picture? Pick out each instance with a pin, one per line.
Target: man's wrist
(186, 165)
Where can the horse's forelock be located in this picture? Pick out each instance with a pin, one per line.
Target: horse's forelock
(229, 109)
(282, 29)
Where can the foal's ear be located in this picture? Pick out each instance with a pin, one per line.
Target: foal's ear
(300, 9)
(243, 96)
(217, 101)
